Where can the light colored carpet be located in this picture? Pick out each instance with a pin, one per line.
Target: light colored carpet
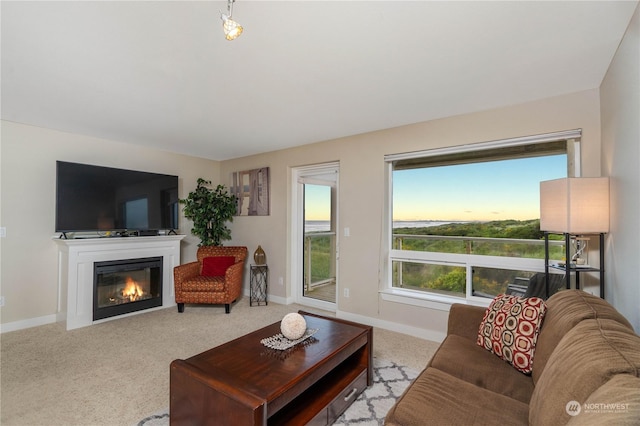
(371, 406)
(117, 372)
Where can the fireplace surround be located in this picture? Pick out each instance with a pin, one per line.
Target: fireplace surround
(76, 261)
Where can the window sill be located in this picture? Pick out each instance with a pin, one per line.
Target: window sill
(429, 300)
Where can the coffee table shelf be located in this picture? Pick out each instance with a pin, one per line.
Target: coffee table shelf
(325, 401)
(244, 383)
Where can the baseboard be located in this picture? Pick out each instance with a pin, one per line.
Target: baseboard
(275, 299)
(62, 317)
(28, 323)
(281, 300)
(432, 335)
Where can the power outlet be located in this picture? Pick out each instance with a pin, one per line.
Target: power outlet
(3, 232)
(281, 281)
(2, 301)
(346, 292)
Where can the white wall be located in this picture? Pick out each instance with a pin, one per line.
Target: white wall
(28, 275)
(620, 109)
(361, 195)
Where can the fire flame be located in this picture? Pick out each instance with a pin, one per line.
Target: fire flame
(132, 290)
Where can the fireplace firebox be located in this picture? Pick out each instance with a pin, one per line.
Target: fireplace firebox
(128, 285)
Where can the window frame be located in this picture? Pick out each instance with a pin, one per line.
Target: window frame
(439, 301)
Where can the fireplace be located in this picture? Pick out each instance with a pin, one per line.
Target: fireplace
(128, 285)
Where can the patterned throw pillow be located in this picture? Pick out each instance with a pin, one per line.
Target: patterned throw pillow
(510, 329)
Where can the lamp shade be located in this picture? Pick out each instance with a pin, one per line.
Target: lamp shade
(575, 205)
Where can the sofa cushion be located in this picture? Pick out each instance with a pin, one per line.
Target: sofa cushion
(216, 266)
(589, 355)
(438, 398)
(510, 329)
(464, 359)
(565, 309)
(615, 403)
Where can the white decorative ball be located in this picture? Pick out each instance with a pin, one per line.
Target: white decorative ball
(293, 326)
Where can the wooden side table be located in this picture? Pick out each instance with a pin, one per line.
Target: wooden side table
(258, 285)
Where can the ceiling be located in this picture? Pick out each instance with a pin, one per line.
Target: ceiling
(161, 73)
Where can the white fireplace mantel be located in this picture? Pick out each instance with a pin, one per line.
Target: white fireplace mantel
(75, 271)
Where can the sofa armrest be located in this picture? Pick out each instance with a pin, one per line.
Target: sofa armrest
(464, 320)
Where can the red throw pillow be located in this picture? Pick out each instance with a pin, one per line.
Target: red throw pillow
(216, 266)
(510, 329)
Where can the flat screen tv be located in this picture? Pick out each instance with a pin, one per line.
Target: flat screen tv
(96, 198)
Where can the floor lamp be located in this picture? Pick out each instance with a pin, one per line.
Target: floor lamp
(575, 207)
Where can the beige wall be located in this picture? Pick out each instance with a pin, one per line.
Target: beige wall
(620, 109)
(29, 257)
(28, 187)
(361, 194)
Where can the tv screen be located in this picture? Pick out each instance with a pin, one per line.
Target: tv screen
(95, 198)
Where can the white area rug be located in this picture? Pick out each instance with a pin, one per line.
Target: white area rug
(389, 381)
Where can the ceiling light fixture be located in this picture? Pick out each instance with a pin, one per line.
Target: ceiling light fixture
(231, 28)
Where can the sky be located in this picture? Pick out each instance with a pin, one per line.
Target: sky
(496, 190)
(317, 199)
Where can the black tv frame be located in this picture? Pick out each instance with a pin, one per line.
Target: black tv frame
(94, 199)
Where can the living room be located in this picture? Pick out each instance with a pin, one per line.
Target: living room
(606, 113)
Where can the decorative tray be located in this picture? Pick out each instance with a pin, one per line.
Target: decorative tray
(281, 343)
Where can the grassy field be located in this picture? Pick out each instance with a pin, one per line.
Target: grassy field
(320, 257)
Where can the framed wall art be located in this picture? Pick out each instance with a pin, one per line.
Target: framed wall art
(251, 188)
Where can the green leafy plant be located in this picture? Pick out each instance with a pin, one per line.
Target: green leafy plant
(210, 209)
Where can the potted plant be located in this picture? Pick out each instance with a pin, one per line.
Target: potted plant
(210, 209)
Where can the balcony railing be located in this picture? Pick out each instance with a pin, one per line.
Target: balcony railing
(507, 247)
(452, 264)
(319, 259)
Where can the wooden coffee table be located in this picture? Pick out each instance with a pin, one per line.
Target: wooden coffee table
(242, 382)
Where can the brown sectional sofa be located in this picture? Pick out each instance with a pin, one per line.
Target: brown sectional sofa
(586, 352)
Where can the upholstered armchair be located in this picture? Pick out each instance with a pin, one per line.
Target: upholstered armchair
(215, 278)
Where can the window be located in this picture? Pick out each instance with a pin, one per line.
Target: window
(464, 222)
